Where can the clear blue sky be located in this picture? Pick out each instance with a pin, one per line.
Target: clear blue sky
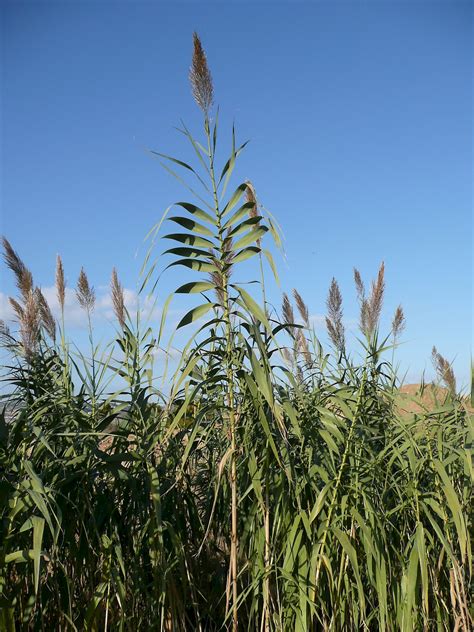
(360, 120)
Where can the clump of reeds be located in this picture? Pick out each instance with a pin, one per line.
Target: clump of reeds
(32, 309)
(237, 500)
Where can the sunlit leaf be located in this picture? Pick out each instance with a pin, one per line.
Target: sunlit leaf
(195, 314)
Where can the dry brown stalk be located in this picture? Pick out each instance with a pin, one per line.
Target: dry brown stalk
(118, 301)
(84, 292)
(334, 322)
(200, 77)
(251, 198)
(225, 269)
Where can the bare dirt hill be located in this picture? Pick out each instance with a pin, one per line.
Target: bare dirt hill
(417, 398)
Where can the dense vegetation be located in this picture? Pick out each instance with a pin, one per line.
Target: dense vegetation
(276, 486)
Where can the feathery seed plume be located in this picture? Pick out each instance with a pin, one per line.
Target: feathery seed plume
(371, 307)
(30, 324)
(334, 318)
(359, 285)
(444, 370)
(398, 322)
(24, 278)
(362, 301)
(84, 292)
(303, 347)
(364, 317)
(47, 318)
(17, 308)
(200, 77)
(288, 314)
(302, 307)
(60, 282)
(117, 298)
(376, 300)
(287, 355)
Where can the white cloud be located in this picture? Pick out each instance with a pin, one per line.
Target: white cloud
(6, 311)
(352, 324)
(167, 353)
(317, 320)
(75, 316)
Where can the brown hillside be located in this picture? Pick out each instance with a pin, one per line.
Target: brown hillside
(413, 398)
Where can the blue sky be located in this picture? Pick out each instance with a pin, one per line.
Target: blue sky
(360, 121)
